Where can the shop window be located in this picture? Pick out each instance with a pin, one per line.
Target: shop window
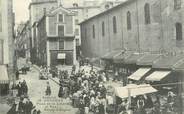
(179, 35)
(93, 31)
(103, 28)
(177, 4)
(61, 44)
(147, 13)
(114, 25)
(129, 24)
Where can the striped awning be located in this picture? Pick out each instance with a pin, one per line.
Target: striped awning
(3, 75)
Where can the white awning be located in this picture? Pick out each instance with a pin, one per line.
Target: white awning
(3, 75)
(61, 56)
(139, 73)
(134, 90)
(157, 75)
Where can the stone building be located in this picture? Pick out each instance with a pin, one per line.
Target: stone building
(6, 44)
(36, 11)
(141, 26)
(55, 38)
(85, 9)
(137, 34)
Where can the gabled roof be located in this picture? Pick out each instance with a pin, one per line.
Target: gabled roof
(59, 9)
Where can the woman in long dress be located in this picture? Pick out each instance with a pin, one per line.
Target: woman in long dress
(48, 89)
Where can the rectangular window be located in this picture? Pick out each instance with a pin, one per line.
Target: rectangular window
(93, 31)
(77, 32)
(76, 21)
(60, 30)
(61, 44)
(60, 18)
(103, 28)
(177, 4)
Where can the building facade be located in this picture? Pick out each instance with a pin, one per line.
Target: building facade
(138, 34)
(140, 26)
(6, 44)
(85, 9)
(23, 40)
(55, 38)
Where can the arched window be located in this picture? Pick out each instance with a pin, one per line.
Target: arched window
(129, 24)
(103, 28)
(177, 4)
(114, 24)
(179, 35)
(147, 13)
(93, 31)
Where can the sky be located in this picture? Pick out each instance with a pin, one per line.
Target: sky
(21, 10)
(20, 7)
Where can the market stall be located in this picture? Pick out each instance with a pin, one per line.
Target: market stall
(134, 90)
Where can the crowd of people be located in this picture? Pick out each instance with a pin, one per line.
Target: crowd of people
(22, 88)
(22, 103)
(24, 106)
(88, 91)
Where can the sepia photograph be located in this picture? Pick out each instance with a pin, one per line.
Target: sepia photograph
(91, 57)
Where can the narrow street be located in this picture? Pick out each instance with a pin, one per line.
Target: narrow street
(36, 92)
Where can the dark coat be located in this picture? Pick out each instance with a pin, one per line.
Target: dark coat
(12, 109)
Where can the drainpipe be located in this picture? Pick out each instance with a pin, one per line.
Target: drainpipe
(138, 39)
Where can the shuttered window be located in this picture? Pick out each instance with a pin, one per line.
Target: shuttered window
(61, 44)
(147, 14)
(177, 4)
(60, 30)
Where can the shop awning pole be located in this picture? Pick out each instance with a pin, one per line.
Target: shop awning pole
(129, 97)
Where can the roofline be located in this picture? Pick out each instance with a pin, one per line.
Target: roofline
(107, 11)
(82, 7)
(35, 3)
